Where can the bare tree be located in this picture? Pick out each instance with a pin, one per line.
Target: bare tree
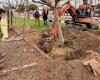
(57, 22)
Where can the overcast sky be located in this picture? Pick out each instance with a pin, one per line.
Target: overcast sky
(11, 1)
(14, 2)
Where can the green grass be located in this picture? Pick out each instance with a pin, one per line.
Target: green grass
(31, 22)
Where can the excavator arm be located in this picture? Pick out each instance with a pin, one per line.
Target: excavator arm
(59, 12)
(68, 6)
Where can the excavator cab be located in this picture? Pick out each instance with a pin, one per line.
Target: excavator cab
(84, 15)
(97, 11)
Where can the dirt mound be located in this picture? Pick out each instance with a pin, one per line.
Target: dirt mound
(45, 45)
(1, 62)
(71, 70)
(83, 40)
(75, 39)
(32, 37)
(68, 35)
(79, 71)
(76, 54)
(79, 42)
(19, 54)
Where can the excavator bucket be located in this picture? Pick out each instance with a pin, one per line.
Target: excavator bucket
(46, 42)
(54, 32)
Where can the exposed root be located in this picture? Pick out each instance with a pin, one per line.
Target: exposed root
(75, 54)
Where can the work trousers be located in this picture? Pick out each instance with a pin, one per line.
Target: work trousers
(37, 22)
(4, 27)
(45, 22)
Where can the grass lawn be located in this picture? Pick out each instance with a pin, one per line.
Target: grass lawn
(22, 21)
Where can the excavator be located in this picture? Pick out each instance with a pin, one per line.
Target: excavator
(79, 21)
(82, 17)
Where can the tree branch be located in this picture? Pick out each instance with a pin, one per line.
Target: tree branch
(9, 4)
(21, 1)
(57, 2)
(16, 1)
(44, 2)
(38, 2)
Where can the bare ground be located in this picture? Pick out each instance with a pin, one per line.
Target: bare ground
(19, 53)
(80, 40)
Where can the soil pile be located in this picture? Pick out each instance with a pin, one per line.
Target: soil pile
(19, 54)
(82, 39)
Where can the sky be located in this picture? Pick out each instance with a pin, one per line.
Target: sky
(12, 1)
(29, 1)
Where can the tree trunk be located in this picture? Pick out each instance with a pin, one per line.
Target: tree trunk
(57, 22)
(11, 17)
(8, 18)
(61, 38)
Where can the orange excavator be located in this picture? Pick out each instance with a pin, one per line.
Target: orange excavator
(78, 21)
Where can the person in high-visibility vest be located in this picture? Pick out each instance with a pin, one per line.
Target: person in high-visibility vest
(4, 24)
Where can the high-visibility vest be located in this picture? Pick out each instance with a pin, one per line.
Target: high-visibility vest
(4, 27)
(3, 21)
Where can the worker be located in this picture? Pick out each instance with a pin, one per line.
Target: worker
(4, 25)
(45, 16)
(36, 15)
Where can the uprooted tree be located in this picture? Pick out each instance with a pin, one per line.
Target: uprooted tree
(53, 6)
